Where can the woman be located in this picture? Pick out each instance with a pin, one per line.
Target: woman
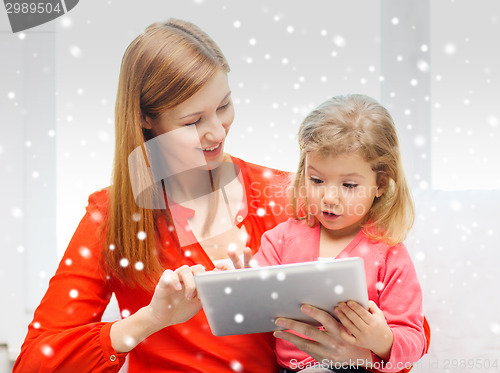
(177, 204)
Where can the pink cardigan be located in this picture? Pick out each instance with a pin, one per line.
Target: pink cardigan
(391, 280)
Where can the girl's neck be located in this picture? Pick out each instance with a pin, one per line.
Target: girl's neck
(333, 242)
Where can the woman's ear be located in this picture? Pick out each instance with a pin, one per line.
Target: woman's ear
(147, 122)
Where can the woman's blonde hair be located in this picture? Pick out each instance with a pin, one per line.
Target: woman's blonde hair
(358, 123)
(163, 67)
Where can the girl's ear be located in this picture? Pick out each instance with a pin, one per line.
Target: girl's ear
(381, 184)
(380, 191)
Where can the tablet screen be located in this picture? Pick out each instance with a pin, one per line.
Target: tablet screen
(249, 300)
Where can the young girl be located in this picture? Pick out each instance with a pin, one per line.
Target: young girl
(351, 199)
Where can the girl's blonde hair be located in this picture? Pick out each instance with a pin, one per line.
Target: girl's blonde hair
(163, 67)
(358, 123)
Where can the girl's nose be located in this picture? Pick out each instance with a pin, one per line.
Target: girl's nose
(331, 196)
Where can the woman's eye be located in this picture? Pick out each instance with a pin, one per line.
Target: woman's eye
(225, 106)
(194, 123)
(350, 185)
(315, 180)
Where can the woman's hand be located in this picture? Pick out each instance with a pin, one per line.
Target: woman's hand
(174, 301)
(365, 328)
(324, 346)
(175, 298)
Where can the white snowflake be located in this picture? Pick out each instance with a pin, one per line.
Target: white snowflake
(236, 366)
(16, 213)
(492, 121)
(47, 351)
(75, 51)
(339, 41)
(420, 141)
(85, 252)
(450, 49)
(239, 318)
(129, 341)
(66, 22)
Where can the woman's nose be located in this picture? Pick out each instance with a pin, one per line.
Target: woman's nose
(215, 131)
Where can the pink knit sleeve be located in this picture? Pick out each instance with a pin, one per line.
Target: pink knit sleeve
(269, 252)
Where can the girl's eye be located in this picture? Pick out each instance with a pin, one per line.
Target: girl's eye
(350, 185)
(315, 180)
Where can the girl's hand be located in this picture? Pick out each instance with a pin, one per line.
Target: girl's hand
(247, 258)
(175, 298)
(365, 328)
(325, 346)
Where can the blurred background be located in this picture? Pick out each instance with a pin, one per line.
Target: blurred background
(434, 65)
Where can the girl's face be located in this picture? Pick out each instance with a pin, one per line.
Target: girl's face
(192, 134)
(340, 191)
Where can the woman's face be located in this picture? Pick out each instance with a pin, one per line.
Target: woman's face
(192, 134)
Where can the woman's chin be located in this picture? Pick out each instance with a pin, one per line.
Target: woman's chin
(213, 164)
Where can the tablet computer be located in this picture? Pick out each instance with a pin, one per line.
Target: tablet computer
(246, 301)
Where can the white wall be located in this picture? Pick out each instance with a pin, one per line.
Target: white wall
(441, 84)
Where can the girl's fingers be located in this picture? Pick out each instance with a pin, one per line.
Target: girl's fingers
(374, 310)
(238, 264)
(306, 345)
(341, 312)
(360, 310)
(299, 327)
(350, 310)
(247, 255)
(323, 317)
(347, 336)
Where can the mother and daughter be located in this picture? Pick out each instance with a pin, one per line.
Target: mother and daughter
(178, 205)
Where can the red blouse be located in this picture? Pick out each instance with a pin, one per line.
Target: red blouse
(67, 335)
